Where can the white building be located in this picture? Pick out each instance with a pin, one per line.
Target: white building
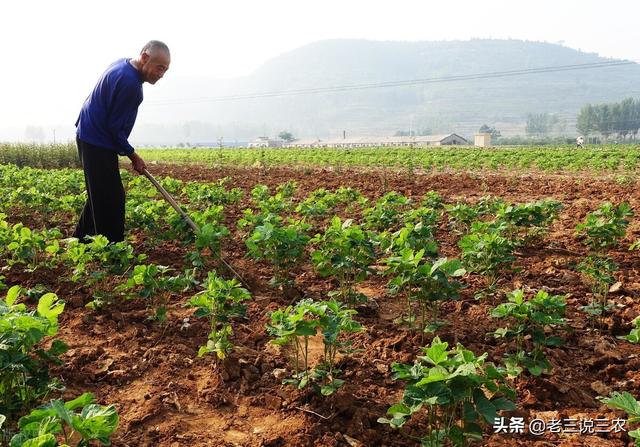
(265, 142)
(482, 140)
(451, 139)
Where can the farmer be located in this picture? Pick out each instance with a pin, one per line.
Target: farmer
(103, 127)
(579, 141)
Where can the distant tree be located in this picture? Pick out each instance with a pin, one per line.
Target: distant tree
(495, 133)
(286, 136)
(540, 123)
(627, 118)
(621, 118)
(586, 121)
(634, 118)
(605, 120)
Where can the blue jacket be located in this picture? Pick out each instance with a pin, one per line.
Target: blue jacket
(109, 113)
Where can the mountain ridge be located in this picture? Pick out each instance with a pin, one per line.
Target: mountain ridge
(439, 107)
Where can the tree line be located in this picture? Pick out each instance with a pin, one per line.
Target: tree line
(621, 118)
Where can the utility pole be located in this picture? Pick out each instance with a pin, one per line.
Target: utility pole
(54, 136)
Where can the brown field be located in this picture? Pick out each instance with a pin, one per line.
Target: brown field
(167, 396)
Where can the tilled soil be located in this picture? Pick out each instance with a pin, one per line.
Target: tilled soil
(167, 396)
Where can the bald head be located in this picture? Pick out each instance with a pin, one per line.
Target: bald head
(154, 46)
(153, 61)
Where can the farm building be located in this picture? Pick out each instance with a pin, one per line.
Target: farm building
(265, 142)
(451, 139)
(482, 140)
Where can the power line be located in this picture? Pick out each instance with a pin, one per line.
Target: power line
(404, 83)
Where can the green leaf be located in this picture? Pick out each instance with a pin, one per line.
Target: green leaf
(435, 375)
(49, 307)
(96, 422)
(12, 295)
(437, 352)
(399, 412)
(466, 369)
(633, 337)
(398, 409)
(395, 422)
(58, 347)
(331, 388)
(502, 403)
(306, 330)
(203, 350)
(62, 412)
(47, 440)
(623, 401)
(80, 401)
(635, 434)
(535, 369)
(35, 417)
(484, 406)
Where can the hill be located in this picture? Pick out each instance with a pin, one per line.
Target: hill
(456, 106)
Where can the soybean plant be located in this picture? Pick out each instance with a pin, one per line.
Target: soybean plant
(220, 302)
(293, 327)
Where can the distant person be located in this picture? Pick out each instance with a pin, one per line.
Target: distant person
(579, 141)
(103, 128)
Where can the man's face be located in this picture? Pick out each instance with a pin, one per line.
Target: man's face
(154, 66)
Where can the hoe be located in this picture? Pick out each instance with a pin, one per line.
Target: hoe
(190, 222)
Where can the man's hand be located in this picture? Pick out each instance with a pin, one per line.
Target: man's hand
(138, 163)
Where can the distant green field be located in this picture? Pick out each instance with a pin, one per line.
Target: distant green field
(602, 159)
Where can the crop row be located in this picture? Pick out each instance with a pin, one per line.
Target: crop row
(600, 159)
(345, 237)
(611, 159)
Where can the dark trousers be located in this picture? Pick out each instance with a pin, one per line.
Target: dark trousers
(103, 211)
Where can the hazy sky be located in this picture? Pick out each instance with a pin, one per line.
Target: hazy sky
(54, 51)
